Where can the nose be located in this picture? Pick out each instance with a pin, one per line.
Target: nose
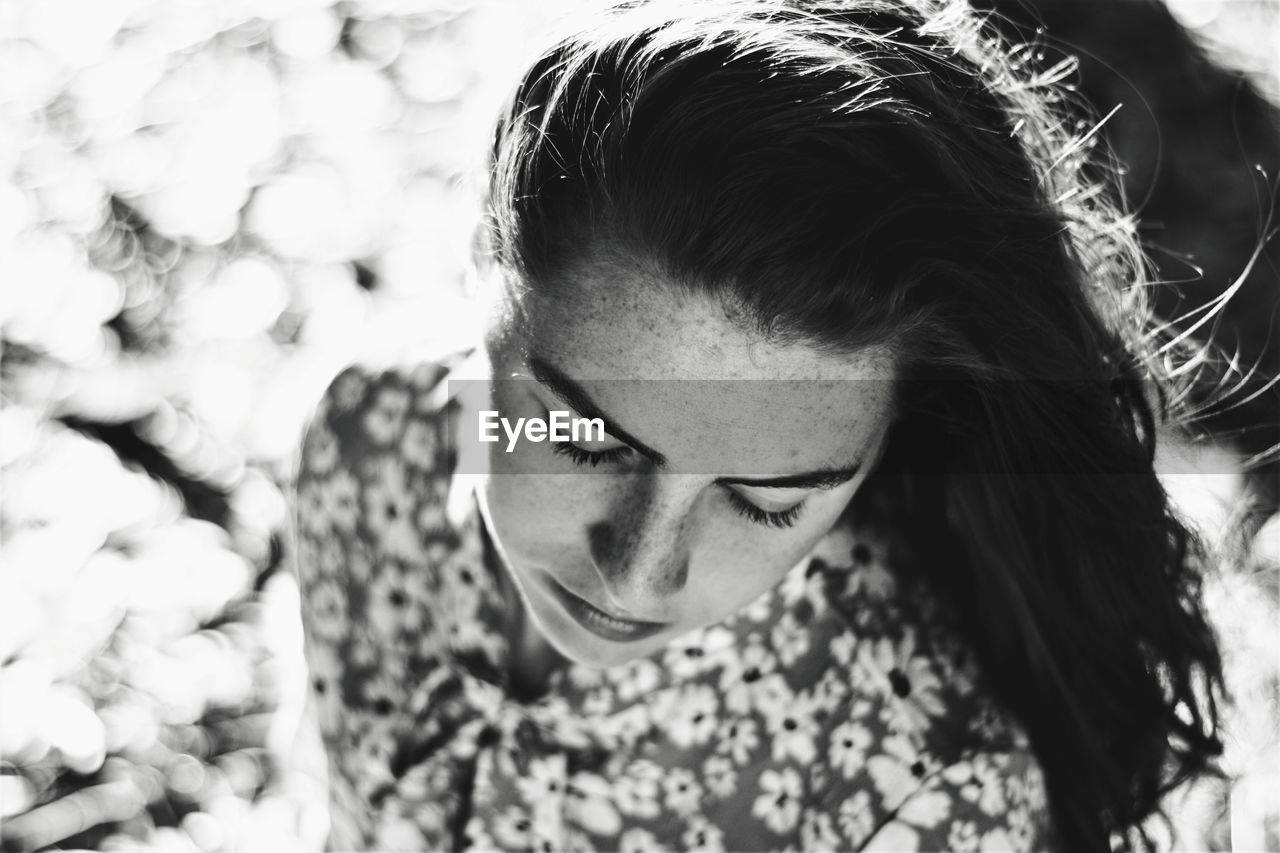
(641, 548)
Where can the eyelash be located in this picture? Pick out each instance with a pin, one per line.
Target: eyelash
(588, 457)
(748, 510)
(785, 518)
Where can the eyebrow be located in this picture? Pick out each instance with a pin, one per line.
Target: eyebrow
(822, 478)
(573, 394)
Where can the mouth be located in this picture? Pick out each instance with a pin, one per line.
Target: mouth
(599, 622)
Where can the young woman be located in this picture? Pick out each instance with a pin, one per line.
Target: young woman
(870, 553)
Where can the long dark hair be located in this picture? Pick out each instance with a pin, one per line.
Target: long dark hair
(883, 173)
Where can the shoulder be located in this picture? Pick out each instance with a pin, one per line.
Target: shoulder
(373, 406)
(375, 468)
(366, 414)
(903, 649)
(919, 754)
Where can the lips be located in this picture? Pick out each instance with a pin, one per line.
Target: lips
(600, 622)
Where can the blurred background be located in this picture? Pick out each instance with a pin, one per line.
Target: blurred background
(210, 207)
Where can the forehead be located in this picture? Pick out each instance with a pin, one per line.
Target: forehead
(677, 372)
(620, 322)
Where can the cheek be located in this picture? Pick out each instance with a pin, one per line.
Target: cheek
(541, 516)
(752, 559)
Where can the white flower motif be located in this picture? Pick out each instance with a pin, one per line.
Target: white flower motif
(1032, 790)
(1021, 830)
(818, 832)
(743, 669)
(390, 509)
(369, 763)
(779, 802)
(585, 677)
(898, 772)
(341, 501)
(830, 691)
(544, 781)
(513, 829)
(477, 837)
(457, 603)
(793, 730)
(720, 776)
(392, 611)
(590, 805)
(312, 510)
(432, 517)
(682, 792)
(842, 648)
(578, 842)
(325, 609)
(365, 649)
(473, 635)
(636, 791)
(695, 716)
(638, 840)
(990, 779)
(627, 725)
(383, 693)
(325, 669)
(354, 563)
(794, 586)
(320, 557)
(871, 574)
(996, 841)
(907, 681)
(696, 652)
(925, 809)
(594, 702)
(739, 737)
(702, 836)
(382, 422)
(760, 610)
(419, 445)
(425, 375)
(395, 832)
(856, 818)
(790, 639)
(849, 742)
(638, 678)
(347, 391)
(963, 837)
(766, 695)
(320, 449)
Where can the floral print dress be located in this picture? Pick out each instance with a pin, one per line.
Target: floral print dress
(835, 712)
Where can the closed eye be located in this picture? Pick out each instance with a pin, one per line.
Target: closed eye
(591, 457)
(770, 517)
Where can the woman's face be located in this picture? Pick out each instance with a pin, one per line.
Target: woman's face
(702, 495)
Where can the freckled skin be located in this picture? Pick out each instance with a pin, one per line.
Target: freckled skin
(667, 546)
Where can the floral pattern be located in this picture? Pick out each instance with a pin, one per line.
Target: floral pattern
(836, 712)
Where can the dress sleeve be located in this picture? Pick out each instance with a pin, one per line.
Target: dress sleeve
(988, 801)
(362, 491)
